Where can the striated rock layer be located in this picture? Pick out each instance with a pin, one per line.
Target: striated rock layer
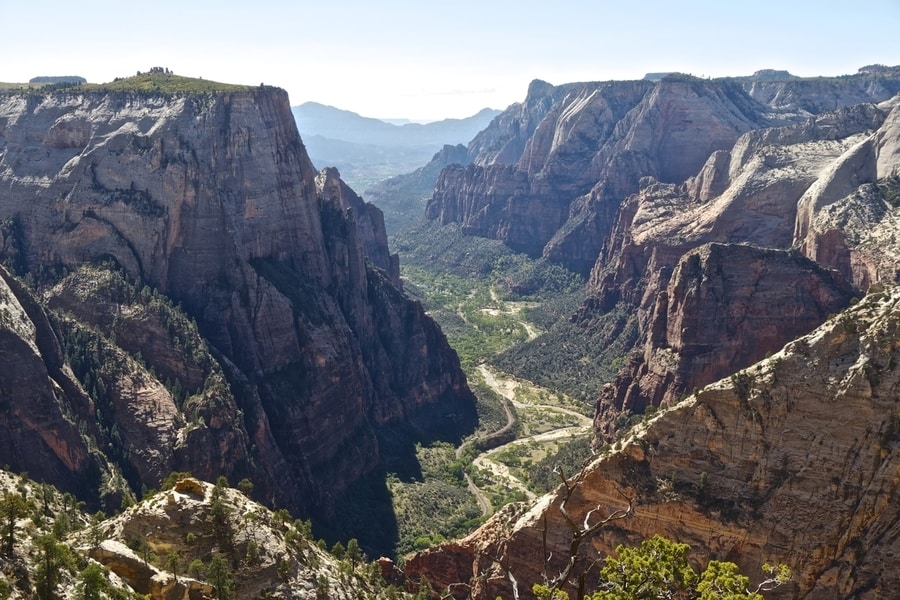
(211, 200)
(790, 460)
(825, 188)
(724, 306)
(548, 176)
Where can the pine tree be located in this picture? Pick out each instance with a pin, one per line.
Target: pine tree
(220, 577)
(12, 507)
(91, 582)
(53, 557)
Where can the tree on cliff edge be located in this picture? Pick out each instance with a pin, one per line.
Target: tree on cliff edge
(659, 568)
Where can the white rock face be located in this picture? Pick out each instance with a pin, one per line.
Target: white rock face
(282, 563)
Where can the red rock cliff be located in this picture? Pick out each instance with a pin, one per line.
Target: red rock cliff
(212, 200)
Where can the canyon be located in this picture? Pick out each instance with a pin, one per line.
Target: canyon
(548, 175)
(633, 183)
(727, 218)
(182, 290)
(753, 468)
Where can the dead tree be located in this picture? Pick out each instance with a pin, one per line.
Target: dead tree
(580, 532)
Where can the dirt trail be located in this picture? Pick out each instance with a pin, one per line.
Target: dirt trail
(512, 308)
(506, 387)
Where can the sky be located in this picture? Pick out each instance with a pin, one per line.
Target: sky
(424, 60)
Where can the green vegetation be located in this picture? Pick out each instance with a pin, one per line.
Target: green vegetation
(51, 534)
(156, 81)
(477, 290)
(445, 250)
(12, 508)
(92, 583)
(420, 495)
(221, 516)
(482, 295)
(136, 332)
(403, 198)
(53, 558)
(537, 464)
(220, 577)
(477, 326)
(889, 187)
(435, 506)
(659, 568)
(163, 82)
(36, 525)
(489, 405)
(576, 358)
(490, 301)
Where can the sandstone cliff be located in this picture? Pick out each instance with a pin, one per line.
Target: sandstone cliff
(824, 187)
(548, 175)
(39, 433)
(790, 460)
(211, 200)
(724, 306)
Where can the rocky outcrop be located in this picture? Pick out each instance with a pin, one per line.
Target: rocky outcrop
(39, 433)
(548, 175)
(815, 95)
(723, 306)
(334, 193)
(210, 200)
(767, 191)
(790, 460)
(152, 546)
(143, 577)
(190, 541)
(847, 218)
(533, 161)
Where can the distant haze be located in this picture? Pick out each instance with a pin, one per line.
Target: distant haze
(367, 150)
(428, 61)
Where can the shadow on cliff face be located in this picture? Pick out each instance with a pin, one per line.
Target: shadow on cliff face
(365, 510)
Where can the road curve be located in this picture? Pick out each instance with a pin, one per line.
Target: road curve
(506, 388)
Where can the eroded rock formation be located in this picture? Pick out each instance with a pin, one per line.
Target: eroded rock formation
(210, 200)
(725, 305)
(549, 174)
(790, 460)
(820, 187)
(724, 258)
(265, 555)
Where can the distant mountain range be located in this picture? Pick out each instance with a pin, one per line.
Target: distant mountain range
(367, 150)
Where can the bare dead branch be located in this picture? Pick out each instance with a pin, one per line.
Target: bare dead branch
(579, 532)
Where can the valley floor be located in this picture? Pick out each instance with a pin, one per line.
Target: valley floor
(545, 424)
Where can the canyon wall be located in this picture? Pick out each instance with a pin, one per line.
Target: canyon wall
(210, 201)
(814, 200)
(548, 175)
(790, 460)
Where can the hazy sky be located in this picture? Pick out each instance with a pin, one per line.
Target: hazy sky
(428, 60)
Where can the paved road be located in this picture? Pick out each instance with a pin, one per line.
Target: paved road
(506, 388)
